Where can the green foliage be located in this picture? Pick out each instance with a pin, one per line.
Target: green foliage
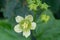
(49, 30)
(44, 31)
(7, 32)
(5, 24)
(54, 5)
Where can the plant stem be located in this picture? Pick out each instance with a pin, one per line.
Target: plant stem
(32, 34)
(34, 15)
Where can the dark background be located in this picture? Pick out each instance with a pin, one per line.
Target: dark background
(55, 7)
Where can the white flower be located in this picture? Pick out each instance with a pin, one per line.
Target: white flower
(25, 25)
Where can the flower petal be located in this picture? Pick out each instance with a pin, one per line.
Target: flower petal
(17, 28)
(19, 19)
(33, 26)
(29, 17)
(26, 33)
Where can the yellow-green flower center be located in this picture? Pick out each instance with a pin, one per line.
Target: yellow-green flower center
(25, 25)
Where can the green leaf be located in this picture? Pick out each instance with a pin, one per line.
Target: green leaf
(45, 31)
(11, 35)
(5, 24)
(7, 32)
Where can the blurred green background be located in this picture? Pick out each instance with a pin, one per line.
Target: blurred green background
(9, 9)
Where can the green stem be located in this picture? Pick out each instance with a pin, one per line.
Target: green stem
(34, 15)
(32, 34)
